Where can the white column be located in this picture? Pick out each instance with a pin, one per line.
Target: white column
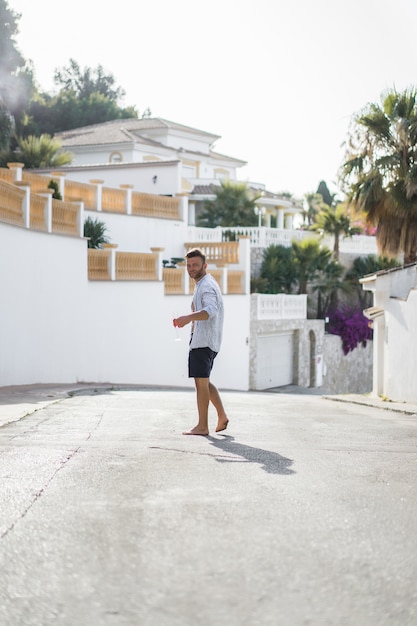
(160, 266)
(60, 178)
(289, 222)
(99, 187)
(17, 169)
(48, 209)
(128, 198)
(187, 210)
(280, 218)
(25, 203)
(185, 281)
(80, 218)
(244, 261)
(112, 258)
(379, 327)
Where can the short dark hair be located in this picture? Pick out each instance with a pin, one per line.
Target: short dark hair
(195, 252)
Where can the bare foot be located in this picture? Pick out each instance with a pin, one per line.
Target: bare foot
(196, 431)
(222, 425)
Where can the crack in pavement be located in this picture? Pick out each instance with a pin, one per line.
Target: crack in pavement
(43, 489)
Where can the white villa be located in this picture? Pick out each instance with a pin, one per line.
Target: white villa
(80, 315)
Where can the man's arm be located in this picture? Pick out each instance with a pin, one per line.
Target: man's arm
(182, 321)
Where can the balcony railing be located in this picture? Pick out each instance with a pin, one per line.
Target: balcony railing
(280, 306)
(217, 252)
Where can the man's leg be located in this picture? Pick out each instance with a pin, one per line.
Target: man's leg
(203, 399)
(215, 399)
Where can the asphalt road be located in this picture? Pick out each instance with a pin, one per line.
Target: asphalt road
(304, 512)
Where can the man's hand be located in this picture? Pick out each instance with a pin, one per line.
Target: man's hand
(180, 322)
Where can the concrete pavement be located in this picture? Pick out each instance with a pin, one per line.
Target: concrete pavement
(18, 401)
(301, 513)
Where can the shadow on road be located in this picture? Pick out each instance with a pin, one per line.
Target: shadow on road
(233, 452)
(270, 462)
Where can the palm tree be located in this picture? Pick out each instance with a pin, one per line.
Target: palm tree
(278, 272)
(309, 259)
(336, 222)
(327, 287)
(43, 151)
(380, 171)
(362, 266)
(234, 205)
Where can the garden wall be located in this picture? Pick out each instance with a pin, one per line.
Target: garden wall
(350, 373)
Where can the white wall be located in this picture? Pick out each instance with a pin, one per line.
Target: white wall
(57, 327)
(401, 349)
(140, 175)
(138, 234)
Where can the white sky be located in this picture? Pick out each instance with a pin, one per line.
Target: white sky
(278, 80)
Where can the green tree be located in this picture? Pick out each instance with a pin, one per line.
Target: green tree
(95, 230)
(323, 190)
(87, 81)
(362, 266)
(15, 77)
(336, 222)
(379, 174)
(278, 272)
(234, 205)
(309, 260)
(314, 205)
(85, 97)
(327, 286)
(35, 152)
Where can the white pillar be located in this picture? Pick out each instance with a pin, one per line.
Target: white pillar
(379, 328)
(48, 209)
(187, 210)
(280, 218)
(289, 222)
(60, 178)
(17, 169)
(99, 192)
(128, 198)
(25, 203)
(112, 258)
(160, 266)
(244, 261)
(80, 218)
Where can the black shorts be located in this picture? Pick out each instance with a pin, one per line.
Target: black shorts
(200, 362)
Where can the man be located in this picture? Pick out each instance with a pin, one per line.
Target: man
(206, 319)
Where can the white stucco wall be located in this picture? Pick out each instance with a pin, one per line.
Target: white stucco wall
(140, 175)
(400, 348)
(139, 234)
(57, 327)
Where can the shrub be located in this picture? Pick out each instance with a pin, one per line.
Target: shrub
(352, 327)
(95, 231)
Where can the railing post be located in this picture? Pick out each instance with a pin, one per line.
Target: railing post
(60, 177)
(223, 279)
(159, 262)
(25, 203)
(112, 258)
(185, 281)
(48, 209)
(244, 261)
(99, 193)
(17, 169)
(185, 213)
(80, 218)
(128, 198)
